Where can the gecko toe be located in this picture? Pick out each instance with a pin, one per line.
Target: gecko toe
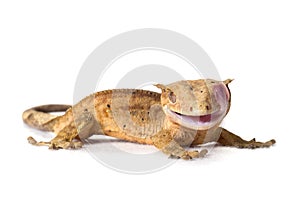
(77, 145)
(203, 153)
(273, 141)
(31, 140)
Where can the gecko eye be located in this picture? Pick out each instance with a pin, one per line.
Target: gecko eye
(172, 97)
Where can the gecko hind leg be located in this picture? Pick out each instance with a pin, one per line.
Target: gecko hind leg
(67, 138)
(229, 139)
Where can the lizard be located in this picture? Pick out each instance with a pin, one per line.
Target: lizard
(186, 113)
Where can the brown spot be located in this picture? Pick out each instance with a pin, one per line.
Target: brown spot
(207, 107)
(201, 91)
(142, 119)
(108, 105)
(191, 109)
(191, 88)
(124, 126)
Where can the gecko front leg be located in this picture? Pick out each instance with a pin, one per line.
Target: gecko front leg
(229, 139)
(166, 143)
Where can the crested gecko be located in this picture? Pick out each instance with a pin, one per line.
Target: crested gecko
(186, 113)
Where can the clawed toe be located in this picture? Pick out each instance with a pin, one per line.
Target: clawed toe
(31, 140)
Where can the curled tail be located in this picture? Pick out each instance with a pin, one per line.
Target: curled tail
(39, 117)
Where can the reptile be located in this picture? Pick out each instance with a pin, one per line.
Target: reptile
(186, 113)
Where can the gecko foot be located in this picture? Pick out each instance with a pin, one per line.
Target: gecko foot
(57, 143)
(188, 155)
(229, 139)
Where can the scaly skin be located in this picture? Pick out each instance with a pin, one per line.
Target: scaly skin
(186, 113)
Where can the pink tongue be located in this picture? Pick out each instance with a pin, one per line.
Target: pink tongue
(205, 118)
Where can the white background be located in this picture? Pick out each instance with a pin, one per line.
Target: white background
(43, 45)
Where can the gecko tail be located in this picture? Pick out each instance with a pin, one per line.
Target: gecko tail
(40, 118)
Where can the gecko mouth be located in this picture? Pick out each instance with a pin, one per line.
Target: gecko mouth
(200, 118)
(201, 122)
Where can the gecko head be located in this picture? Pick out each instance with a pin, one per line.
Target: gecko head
(197, 104)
